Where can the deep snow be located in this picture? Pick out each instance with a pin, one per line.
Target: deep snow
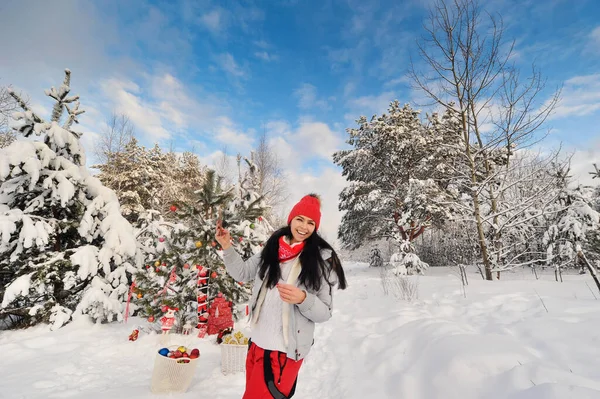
(499, 342)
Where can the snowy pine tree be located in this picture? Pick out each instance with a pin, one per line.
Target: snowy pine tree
(133, 178)
(65, 249)
(572, 224)
(150, 180)
(400, 177)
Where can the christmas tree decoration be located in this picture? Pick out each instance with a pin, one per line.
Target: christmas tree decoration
(186, 266)
(168, 320)
(161, 239)
(237, 338)
(151, 319)
(164, 352)
(198, 244)
(252, 226)
(220, 316)
(187, 328)
(134, 335)
(139, 296)
(214, 275)
(222, 334)
(172, 208)
(157, 263)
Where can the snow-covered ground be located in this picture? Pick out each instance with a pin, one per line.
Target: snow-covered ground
(499, 342)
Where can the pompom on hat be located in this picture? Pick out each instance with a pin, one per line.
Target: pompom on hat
(309, 206)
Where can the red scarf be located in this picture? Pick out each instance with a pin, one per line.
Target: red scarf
(287, 251)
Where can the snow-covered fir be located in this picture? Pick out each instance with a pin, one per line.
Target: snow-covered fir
(65, 248)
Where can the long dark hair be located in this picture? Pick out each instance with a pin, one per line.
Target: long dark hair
(314, 267)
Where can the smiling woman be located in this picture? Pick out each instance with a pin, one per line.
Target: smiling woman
(293, 279)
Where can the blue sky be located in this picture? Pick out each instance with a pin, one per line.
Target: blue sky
(210, 75)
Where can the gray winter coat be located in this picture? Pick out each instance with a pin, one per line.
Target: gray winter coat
(316, 308)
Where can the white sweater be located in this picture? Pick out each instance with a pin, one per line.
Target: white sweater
(267, 332)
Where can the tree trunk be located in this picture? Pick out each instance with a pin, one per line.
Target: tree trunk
(590, 268)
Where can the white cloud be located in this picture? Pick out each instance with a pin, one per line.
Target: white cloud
(228, 64)
(349, 88)
(369, 105)
(593, 45)
(228, 133)
(310, 140)
(143, 115)
(580, 96)
(262, 44)
(263, 55)
(307, 97)
(215, 21)
(402, 80)
(582, 164)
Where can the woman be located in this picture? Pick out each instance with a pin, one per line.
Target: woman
(293, 278)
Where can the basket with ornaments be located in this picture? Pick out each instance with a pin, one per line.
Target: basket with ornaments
(174, 369)
(234, 349)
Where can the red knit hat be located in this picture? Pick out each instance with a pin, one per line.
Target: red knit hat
(309, 206)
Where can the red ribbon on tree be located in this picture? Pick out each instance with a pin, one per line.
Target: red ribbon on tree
(131, 289)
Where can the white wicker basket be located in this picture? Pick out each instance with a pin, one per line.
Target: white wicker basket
(172, 375)
(233, 358)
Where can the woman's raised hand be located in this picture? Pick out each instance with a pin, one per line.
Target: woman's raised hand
(222, 236)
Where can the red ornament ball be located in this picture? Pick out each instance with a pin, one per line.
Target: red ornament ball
(164, 263)
(161, 239)
(151, 319)
(173, 208)
(157, 270)
(241, 239)
(214, 244)
(147, 266)
(186, 266)
(220, 295)
(163, 308)
(213, 275)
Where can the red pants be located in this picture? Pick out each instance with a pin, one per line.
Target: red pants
(285, 372)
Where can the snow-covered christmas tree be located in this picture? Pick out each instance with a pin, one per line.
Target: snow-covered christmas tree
(65, 249)
(185, 269)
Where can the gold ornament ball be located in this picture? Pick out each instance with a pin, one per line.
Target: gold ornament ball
(139, 296)
(198, 244)
(182, 349)
(157, 263)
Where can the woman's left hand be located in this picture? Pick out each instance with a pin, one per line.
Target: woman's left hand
(291, 294)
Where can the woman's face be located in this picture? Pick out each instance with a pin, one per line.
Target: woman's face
(302, 227)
